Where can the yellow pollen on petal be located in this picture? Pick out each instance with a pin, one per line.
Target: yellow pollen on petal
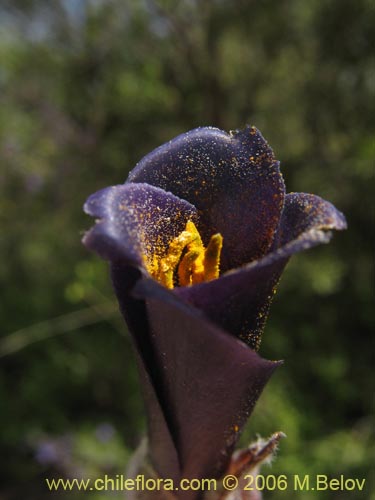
(187, 261)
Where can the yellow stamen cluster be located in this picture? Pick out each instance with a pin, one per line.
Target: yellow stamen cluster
(187, 261)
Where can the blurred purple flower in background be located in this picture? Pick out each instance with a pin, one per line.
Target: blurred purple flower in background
(197, 238)
(105, 432)
(54, 451)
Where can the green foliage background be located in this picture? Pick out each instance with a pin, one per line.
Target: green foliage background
(86, 89)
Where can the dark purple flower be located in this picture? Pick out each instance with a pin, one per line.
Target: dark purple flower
(196, 344)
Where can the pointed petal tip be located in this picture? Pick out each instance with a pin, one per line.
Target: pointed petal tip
(95, 205)
(341, 222)
(252, 135)
(308, 220)
(273, 365)
(278, 362)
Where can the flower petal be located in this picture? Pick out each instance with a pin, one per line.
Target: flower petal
(232, 179)
(306, 221)
(239, 300)
(163, 450)
(135, 222)
(209, 381)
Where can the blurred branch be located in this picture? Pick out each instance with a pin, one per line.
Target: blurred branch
(43, 330)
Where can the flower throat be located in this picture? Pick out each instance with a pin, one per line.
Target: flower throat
(187, 261)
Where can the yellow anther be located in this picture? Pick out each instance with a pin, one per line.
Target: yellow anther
(186, 268)
(212, 254)
(187, 261)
